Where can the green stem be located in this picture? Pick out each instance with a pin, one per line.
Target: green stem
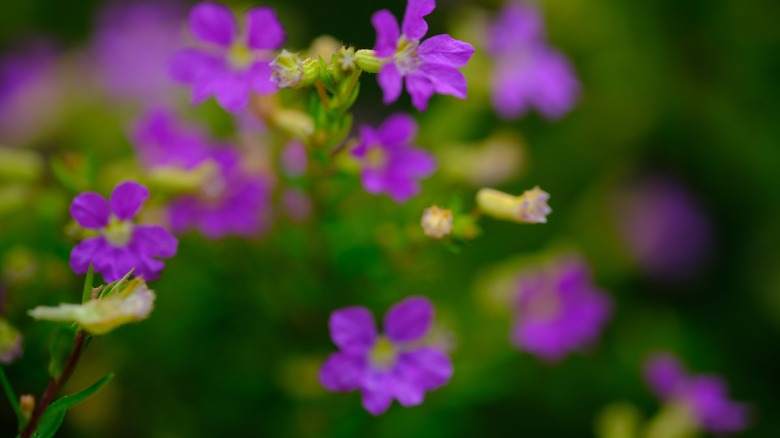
(9, 392)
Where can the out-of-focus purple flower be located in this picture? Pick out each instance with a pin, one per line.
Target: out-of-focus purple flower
(120, 245)
(429, 67)
(559, 310)
(528, 72)
(396, 365)
(705, 395)
(294, 159)
(10, 342)
(234, 63)
(227, 199)
(133, 47)
(391, 164)
(297, 204)
(664, 227)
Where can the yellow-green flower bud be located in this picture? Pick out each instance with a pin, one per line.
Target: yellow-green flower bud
(529, 208)
(288, 70)
(27, 405)
(367, 60)
(436, 222)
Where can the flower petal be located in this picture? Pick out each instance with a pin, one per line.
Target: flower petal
(377, 393)
(261, 78)
(90, 210)
(190, 65)
(265, 31)
(387, 33)
(665, 375)
(389, 79)
(89, 251)
(127, 198)
(414, 25)
(213, 23)
(415, 162)
(445, 79)
(352, 329)
(398, 129)
(419, 371)
(409, 320)
(232, 91)
(154, 241)
(343, 372)
(420, 88)
(443, 49)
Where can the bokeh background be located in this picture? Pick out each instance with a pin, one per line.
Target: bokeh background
(665, 177)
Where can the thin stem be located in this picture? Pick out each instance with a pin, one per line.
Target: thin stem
(323, 94)
(9, 392)
(55, 384)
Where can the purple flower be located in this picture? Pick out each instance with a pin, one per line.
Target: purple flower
(234, 63)
(391, 164)
(383, 367)
(528, 72)
(133, 47)
(559, 310)
(429, 66)
(705, 395)
(227, 199)
(120, 245)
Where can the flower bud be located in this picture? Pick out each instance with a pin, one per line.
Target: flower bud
(27, 405)
(346, 60)
(178, 180)
(529, 208)
(436, 222)
(289, 71)
(367, 60)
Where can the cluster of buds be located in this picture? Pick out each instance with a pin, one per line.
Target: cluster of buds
(288, 70)
(529, 208)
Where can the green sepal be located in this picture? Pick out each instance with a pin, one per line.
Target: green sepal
(86, 294)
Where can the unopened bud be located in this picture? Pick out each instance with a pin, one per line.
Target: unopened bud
(288, 70)
(436, 222)
(367, 60)
(345, 59)
(529, 208)
(27, 405)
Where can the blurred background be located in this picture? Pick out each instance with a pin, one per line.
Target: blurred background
(665, 177)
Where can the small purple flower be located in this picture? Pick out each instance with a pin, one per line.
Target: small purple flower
(133, 47)
(705, 395)
(559, 310)
(396, 365)
(228, 200)
(528, 72)
(391, 164)
(234, 62)
(120, 245)
(429, 66)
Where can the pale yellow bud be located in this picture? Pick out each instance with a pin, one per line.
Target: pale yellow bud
(529, 208)
(436, 222)
(27, 405)
(368, 61)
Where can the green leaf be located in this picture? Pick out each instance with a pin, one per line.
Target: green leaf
(87, 293)
(55, 413)
(9, 393)
(59, 349)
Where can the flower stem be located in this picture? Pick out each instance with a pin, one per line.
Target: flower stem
(323, 94)
(55, 384)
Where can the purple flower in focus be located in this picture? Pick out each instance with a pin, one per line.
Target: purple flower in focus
(396, 365)
(120, 245)
(705, 395)
(391, 164)
(528, 72)
(228, 200)
(559, 310)
(133, 47)
(234, 63)
(429, 66)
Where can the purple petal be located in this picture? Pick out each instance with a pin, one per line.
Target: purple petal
(265, 31)
(414, 25)
(352, 329)
(343, 372)
(377, 392)
(556, 88)
(443, 49)
(261, 78)
(710, 402)
(389, 79)
(90, 210)
(89, 251)
(213, 23)
(415, 162)
(445, 79)
(117, 262)
(232, 91)
(190, 65)
(420, 88)
(154, 241)
(373, 181)
(387, 33)
(402, 189)
(665, 375)
(127, 198)
(399, 129)
(420, 371)
(518, 25)
(409, 320)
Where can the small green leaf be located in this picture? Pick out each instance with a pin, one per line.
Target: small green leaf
(55, 413)
(87, 293)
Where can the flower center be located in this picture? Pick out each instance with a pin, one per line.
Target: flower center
(406, 59)
(384, 354)
(118, 232)
(240, 56)
(375, 158)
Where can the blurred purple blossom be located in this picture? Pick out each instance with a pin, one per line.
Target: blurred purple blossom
(294, 159)
(559, 310)
(705, 395)
(528, 72)
(391, 164)
(120, 245)
(297, 204)
(664, 227)
(133, 46)
(396, 365)
(228, 200)
(233, 62)
(429, 67)
(10, 342)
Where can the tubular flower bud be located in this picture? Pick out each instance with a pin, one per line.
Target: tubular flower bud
(133, 303)
(288, 70)
(529, 208)
(436, 222)
(368, 61)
